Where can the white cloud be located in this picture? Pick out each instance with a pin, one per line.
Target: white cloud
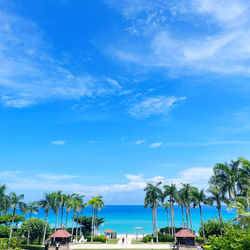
(58, 143)
(51, 177)
(157, 105)
(30, 73)
(140, 142)
(94, 142)
(156, 145)
(132, 177)
(215, 37)
(16, 180)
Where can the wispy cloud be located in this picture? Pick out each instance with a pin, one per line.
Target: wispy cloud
(215, 38)
(157, 105)
(51, 177)
(30, 73)
(58, 143)
(140, 142)
(156, 145)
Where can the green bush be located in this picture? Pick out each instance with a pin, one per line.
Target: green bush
(199, 239)
(100, 238)
(231, 239)
(36, 230)
(34, 247)
(13, 243)
(4, 231)
(212, 227)
(148, 238)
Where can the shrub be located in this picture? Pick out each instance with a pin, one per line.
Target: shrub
(13, 243)
(148, 238)
(4, 231)
(167, 238)
(199, 239)
(36, 230)
(232, 239)
(34, 247)
(212, 227)
(100, 238)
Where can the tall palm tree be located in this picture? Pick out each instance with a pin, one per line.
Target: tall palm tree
(171, 192)
(96, 203)
(69, 207)
(15, 202)
(244, 178)
(4, 199)
(62, 200)
(153, 198)
(180, 202)
(186, 194)
(166, 205)
(56, 204)
(217, 197)
(226, 177)
(79, 205)
(31, 208)
(46, 204)
(199, 197)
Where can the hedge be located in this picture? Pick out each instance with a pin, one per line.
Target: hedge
(34, 247)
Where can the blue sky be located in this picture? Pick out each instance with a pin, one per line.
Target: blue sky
(102, 96)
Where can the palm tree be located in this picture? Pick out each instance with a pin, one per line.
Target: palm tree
(244, 178)
(171, 191)
(15, 202)
(217, 197)
(180, 202)
(226, 177)
(243, 215)
(199, 197)
(31, 208)
(4, 199)
(166, 205)
(46, 204)
(96, 203)
(69, 207)
(56, 204)
(153, 198)
(79, 205)
(62, 200)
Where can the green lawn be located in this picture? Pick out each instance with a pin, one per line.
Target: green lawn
(112, 241)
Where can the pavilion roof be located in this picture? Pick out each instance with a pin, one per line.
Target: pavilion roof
(61, 233)
(185, 233)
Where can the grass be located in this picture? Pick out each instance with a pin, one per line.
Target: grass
(112, 241)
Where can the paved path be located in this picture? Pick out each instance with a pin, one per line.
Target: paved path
(120, 246)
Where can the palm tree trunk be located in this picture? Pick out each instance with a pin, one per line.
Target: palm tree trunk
(12, 221)
(28, 240)
(62, 217)
(66, 224)
(173, 220)
(156, 229)
(45, 228)
(182, 212)
(72, 231)
(189, 211)
(77, 225)
(171, 209)
(56, 221)
(168, 222)
(153, 220)
(92, 224)
(220, 221)
(202, 224)
(187, 216)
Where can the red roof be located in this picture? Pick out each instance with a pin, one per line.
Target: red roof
(60, 234)
(185, 233)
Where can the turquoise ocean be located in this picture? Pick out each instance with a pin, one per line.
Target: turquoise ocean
(124, 218)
